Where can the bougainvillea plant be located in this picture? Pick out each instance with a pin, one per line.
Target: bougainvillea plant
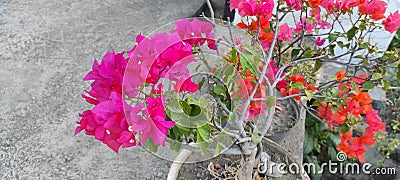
(190, 85)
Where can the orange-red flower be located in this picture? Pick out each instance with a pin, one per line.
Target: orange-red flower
(340, 75)
(314, 3)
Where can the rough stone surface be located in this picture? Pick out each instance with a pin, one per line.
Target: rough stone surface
(46, 48)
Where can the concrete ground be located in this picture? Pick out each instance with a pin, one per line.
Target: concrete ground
(46, 48)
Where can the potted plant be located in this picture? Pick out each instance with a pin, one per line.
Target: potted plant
(204, 88)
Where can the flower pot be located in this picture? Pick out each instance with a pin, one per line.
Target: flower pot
(285, 121)
(227, 165)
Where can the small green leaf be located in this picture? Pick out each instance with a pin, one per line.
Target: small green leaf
(308, 142)
(332, 153)
(317, 66)
(182, 130)
(294, 53)
(204, 131)
(385, 84)
(255, 137)
(220, 90)
(246, 60)
(297, 85)
(195, 110)
(233, 58)
(218, 150)
(340, 44)
(317, 147)
(368, 85)
(202, 82)
(351, 33)
(270, 101)
(186, 107)
(376, 76)
(229, 71)
(309, 94)
(332, 37)
(149, 145)
(363, 27)
(398, 73)
(332, 49)
(175, 146)
(309, 53)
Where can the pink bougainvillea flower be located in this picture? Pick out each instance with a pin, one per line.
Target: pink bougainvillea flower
(107, 77)
(308, 26)
(156, 127)
(375, 8)
(392, 22)
(252, 7)
(187, 85)
(328, 5)
(296, 4)
(107, 123)
(196, 32)
(319, 41)
(285, 33)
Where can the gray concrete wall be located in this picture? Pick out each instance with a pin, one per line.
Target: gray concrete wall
(46, 48)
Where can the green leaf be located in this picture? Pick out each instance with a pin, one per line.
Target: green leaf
(308, 142)
(229, 71)
(317, 66)
(385, 84)
(182, 130)
(334, 139)
(201, 83)
(270, 101)
(204, 146)
(186, 107)
(246, 60)
(255, 137)
(233, 57)
(317, 147)
(191, 100)
(398, 73)
(309, 94)
(340, 44)
(218, 150)
(351, 33)
(294, 53)
(332, 153)
(344, 128)
(363, 27)
(297, 85)
(332, 37)
(332, 49)
(309, 121)
(309, 53)
(196, 110)
(149, 145)
(204, 131)
(376, 76)
(368, 85)
(220, 90)
(175, 146)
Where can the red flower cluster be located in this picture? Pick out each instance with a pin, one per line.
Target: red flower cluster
(249, 82)
(356, 104)
(297, 78)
